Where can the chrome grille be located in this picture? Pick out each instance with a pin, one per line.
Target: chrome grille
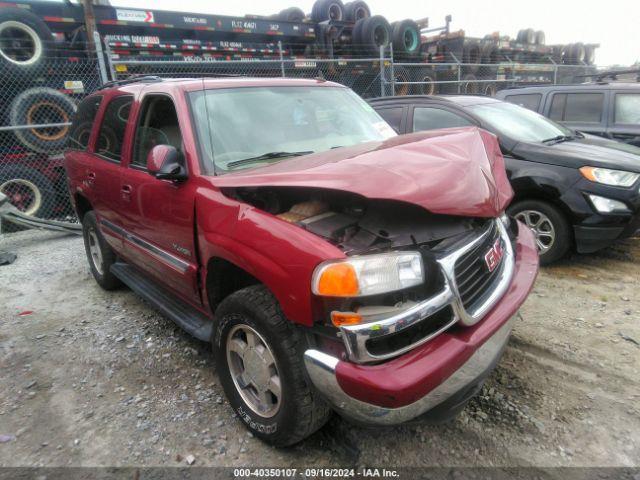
(473, 277)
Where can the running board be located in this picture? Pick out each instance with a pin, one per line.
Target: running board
(185, 316)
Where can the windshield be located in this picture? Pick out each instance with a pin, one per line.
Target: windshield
(248, 127)
(519, 123)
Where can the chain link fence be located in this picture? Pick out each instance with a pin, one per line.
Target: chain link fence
(37, 102)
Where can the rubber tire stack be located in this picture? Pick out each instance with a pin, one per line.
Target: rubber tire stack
(365, 38)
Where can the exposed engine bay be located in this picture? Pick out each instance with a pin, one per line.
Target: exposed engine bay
(352, 222)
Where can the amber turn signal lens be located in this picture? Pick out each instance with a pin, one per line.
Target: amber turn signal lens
(588, 173)
(338, 280)
(345, 318)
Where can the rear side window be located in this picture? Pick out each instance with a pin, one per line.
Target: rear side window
(577, 107)
(530, 100)
(627, 108)
(393, 116)
(426, 118)
(114, 124)
(83, 123)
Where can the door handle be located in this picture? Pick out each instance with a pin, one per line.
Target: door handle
(126, 189)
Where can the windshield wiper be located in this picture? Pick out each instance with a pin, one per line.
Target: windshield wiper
(558, 139)
(267, 156)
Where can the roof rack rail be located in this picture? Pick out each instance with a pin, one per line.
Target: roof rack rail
(611, 74)
(132, 79)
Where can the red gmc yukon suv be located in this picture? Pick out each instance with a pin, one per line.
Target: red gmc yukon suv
(333, 265)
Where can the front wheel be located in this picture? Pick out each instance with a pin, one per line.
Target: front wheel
(549, 226)
(259, 360)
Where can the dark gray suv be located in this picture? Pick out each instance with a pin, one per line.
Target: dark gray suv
(610, 110)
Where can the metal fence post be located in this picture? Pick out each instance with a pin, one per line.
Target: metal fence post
(393, 73)
(109, 55)
(555, 71)
(382, 72)
(100, 55)
(281, 58)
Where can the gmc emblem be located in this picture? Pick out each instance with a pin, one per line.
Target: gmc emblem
(494, 255)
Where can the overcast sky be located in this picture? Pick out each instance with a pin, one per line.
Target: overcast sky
(615, 24)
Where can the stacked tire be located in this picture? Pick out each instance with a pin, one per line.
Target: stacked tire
(26, 47)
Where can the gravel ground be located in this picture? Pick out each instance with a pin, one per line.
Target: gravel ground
(94, 378)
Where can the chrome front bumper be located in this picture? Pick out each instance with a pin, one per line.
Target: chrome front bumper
(355, 337)
(322, 371)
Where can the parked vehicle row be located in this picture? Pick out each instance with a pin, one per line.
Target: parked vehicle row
(332, 264)
(574, 190)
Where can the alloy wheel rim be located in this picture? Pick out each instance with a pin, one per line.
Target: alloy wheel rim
(254, 370)
(95, 251)
(541, 226)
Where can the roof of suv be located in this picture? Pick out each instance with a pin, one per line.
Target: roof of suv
(462, 100)
(566, 88)
(192, 84)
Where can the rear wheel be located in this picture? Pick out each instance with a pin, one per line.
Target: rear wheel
(24, 40)
(549, 227)
(259, 360)
(99, 253)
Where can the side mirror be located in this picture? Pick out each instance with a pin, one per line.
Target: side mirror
(162, 163)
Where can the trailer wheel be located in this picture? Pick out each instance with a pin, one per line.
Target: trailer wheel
(428, 79)
(373, 33)
(527, 35)
(24, 40)
(470, 84)
(42, 106)
(354, 11)
(489, 89)
(28, 190)
(540, 38)
(405, 37)
(291, 14)
(327, 10)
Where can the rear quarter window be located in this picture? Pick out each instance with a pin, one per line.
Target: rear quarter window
(114, 125)
(627, 109)
(82, 124)
(577, 107)
(529, 100)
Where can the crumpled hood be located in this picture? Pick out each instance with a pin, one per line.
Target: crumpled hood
(456, 171)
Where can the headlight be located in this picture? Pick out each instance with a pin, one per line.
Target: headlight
(368, 274)
(608, 205)
(616, 178)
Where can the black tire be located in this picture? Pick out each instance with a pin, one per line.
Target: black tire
(562, 242)
(470, 85)
(567, 54)
(42, 105)
(401, 74)
(578, 53)
(291, 14)
(354, 11)
(489, 89)
(540, 38)
(301, 411)
(28, 190)
(428, 78)
(471, 55)
(405, 36)
(527, 36)
(489, 53)
(25, 40)
(327, 10)
(372, 33)
(589, 54)
(101, 269)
